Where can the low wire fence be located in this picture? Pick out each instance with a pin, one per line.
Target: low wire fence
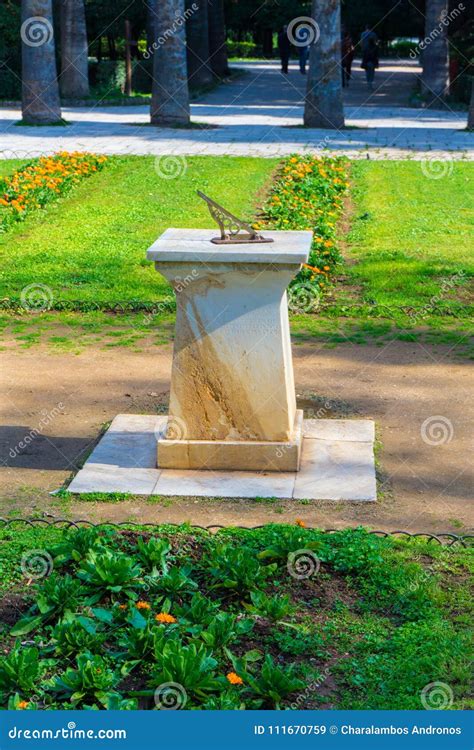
(445, 538)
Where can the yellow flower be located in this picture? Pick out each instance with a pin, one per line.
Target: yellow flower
(142, 605)
(164, 617)
(234, 679)
(23, 704)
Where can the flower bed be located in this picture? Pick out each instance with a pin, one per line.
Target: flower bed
(308, 194)
(277, 617)
(42, 181)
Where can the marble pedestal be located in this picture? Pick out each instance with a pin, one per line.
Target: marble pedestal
(232, 401)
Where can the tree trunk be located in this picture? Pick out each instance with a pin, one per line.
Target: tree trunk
(217, 38)
(323, 102)
(150, 28)
(435, 53)
(470, 117)
(128, 59)
(197, 37)
(170, 94)
(74, 79)
(40, 90)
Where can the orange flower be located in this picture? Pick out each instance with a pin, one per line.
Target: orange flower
(142, 605)
(234, 679)
(164, 617)
(23, 704)
(301, 523)
(122, 606)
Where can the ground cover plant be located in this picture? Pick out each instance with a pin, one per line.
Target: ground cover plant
(42, 181)
(308, 194)
(278, 617)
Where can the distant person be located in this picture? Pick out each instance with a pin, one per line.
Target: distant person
(303, 53)
(366, 36)
(370, 61)
(347, 56)
(284, 48)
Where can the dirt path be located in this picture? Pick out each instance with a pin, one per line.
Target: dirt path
(57, 403)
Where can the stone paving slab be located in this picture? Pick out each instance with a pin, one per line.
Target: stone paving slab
(337, 464)
(259, 114)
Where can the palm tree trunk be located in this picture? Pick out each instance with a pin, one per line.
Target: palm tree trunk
(470, 117)
(40, 90)
(197, 37)
(217, 38)
(170, 94)
(435, 53)
(323, 102)
(74, 79)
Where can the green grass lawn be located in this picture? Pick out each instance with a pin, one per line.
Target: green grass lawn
(409, 250)
(369, 623)
(411, 234)
(7, 166)
(90, 247)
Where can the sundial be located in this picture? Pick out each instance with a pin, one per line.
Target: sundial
(234, 231)
(232, 400)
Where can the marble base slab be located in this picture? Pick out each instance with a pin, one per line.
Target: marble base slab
(232, 455)
(337, 463)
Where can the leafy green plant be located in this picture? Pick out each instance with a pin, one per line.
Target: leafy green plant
(233, 568)
(77, 544)
(57, 595)
(72, 635)
(300, 642)
(17, 703)
(282, 542)
(176, 583)
(19, 671)
(273, 608)
(110, 573)
(153, 555)
(274, 683)
(224, 629)
(199, 611)
(228, 701)
(91, 680)
(191, 666)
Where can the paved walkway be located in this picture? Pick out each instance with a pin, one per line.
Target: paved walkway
(258, 114)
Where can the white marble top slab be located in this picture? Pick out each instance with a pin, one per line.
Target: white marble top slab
(191, 245)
